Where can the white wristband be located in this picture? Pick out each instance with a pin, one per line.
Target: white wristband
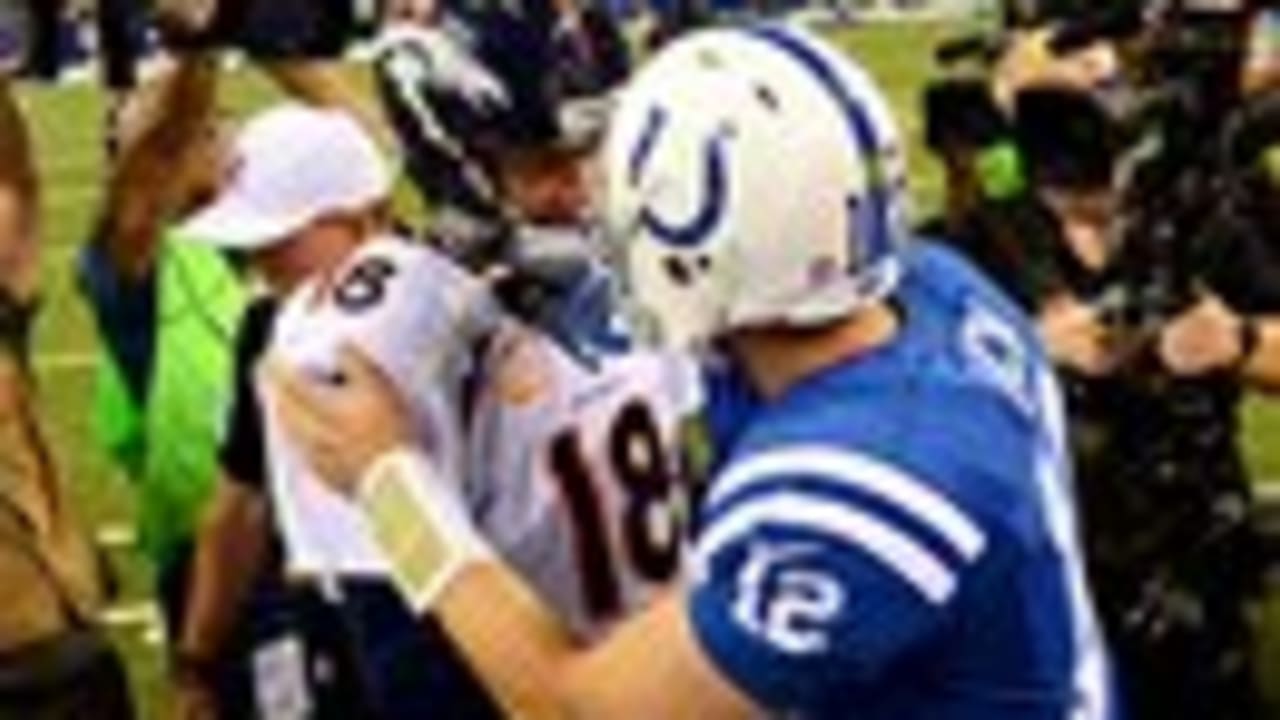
(421, 523)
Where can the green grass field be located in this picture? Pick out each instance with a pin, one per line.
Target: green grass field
(66, 124)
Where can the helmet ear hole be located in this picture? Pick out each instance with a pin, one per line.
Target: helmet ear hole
(678, 270)
(768, 98)
(684, 271)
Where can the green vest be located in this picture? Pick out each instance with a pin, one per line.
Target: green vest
(169, 445)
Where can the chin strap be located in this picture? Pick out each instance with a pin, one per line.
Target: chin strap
(559, 284)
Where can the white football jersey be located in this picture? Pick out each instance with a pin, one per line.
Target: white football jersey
(571, 472)
(417, 316)
(575, 474)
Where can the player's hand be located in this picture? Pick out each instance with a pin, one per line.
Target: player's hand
(186, 16)
(1076, 337)
(1203, 339)
(1030, 61)
(194, 701)
(422, 12)
(340, 427)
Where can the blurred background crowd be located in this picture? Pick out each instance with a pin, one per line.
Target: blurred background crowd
(1115, 166)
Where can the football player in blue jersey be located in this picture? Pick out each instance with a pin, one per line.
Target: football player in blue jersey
(888, 531)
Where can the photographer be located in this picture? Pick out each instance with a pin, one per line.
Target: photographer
(1157, 288)
(56, 661)
(1239, 327)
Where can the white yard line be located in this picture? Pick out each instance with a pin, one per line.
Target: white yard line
(143, 615)
(116, 536)
(66, 361)
(1267, 492)
(60, 250)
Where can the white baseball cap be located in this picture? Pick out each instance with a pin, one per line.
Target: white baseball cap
(290, 165)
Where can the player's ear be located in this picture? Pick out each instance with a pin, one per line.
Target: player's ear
(373, 219)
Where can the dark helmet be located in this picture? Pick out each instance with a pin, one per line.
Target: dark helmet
(487, 81)
(484, 81)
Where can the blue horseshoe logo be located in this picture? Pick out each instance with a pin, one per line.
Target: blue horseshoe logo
(715, 192)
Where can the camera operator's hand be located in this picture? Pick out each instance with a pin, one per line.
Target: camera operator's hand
(185, 17)
(1029, 61)
(422, 12)
(1076, 336)
(1203, 339)
(194, 701)
(1261, 69)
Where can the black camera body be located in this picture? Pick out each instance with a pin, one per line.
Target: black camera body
(276, 29)
(30, 32)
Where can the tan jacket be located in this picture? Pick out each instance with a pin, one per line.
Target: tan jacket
(49, 578)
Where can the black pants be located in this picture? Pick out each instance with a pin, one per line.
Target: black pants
(286, 29)
(77, 676)
(173, 578)
(407, 668)
(43, 59)
(273, 611)
(121, 27)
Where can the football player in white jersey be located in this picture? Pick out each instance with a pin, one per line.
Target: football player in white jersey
(572, 437)
(566, 441)
(889, 530)
(304, 202)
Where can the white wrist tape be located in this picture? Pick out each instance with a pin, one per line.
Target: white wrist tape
(421, 523)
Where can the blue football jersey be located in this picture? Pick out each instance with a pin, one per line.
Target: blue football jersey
(895, 537)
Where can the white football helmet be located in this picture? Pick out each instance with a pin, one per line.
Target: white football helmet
(754, 177)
